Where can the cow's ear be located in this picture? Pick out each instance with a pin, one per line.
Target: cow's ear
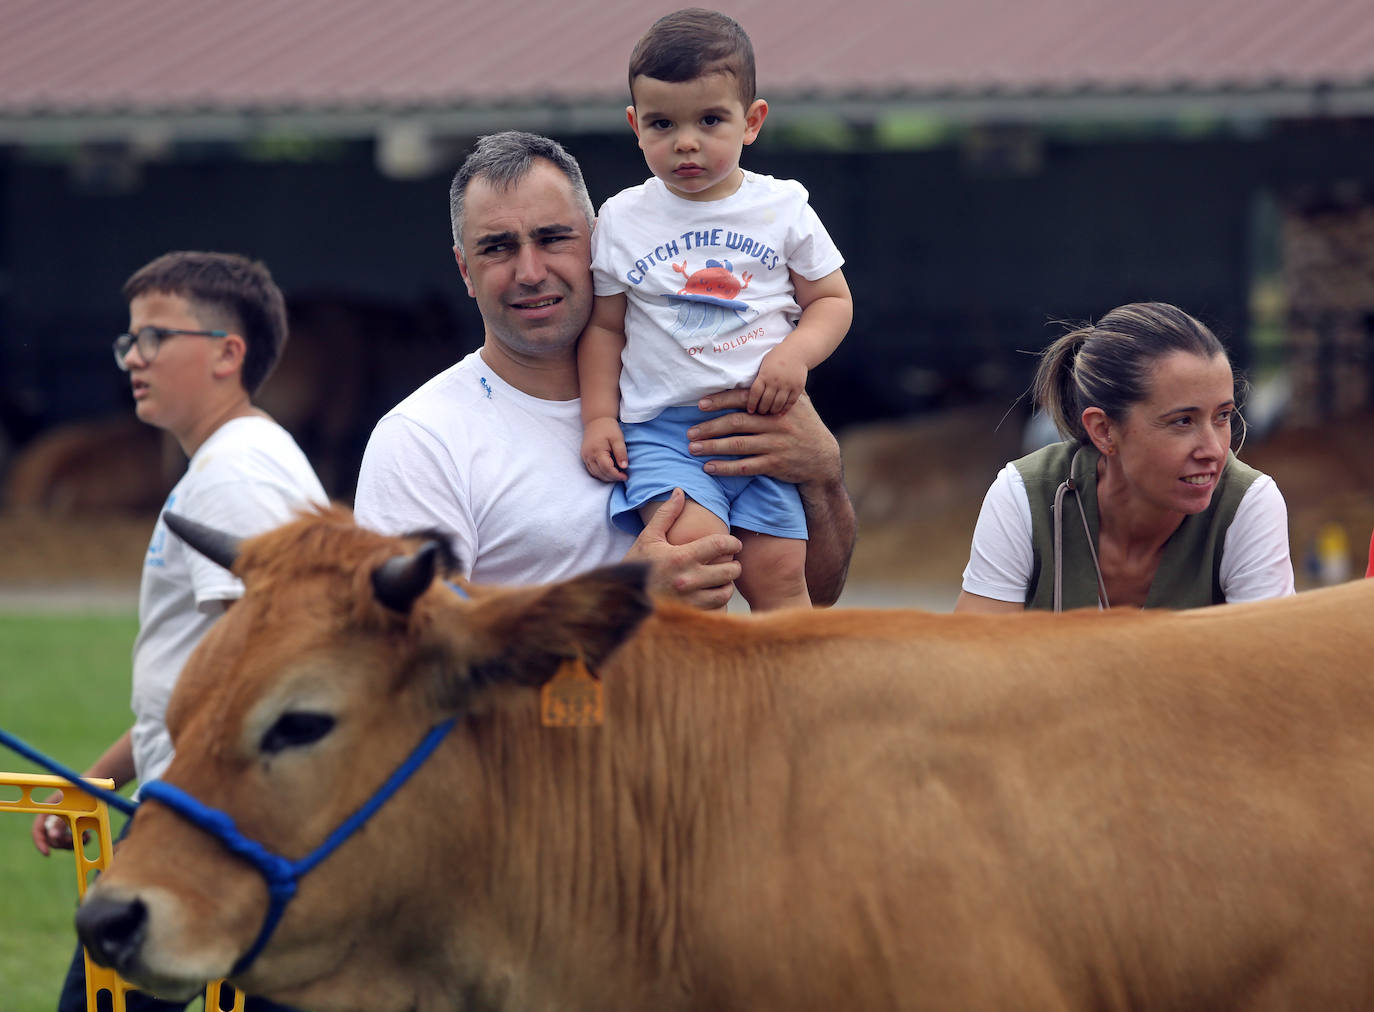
(522, 638)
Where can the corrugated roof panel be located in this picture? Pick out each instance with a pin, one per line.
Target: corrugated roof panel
(81, 56)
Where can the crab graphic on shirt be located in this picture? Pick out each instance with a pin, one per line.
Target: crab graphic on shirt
(706, 303)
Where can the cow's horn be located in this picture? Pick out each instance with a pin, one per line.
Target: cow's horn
(399, 581)
(215, 545)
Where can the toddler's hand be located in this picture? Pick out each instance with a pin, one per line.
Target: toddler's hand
(603, 449)
(781, 380)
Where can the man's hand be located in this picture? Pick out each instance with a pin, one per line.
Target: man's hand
(781, 380)
(795, 447)
(701, 573)
(603, 449)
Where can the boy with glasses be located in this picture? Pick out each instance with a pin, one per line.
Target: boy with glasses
(205, 331)
(149, 340)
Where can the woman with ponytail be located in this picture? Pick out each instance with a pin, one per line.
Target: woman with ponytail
(1143, 504)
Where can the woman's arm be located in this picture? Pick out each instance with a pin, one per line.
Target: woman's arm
(1255, 559)
(997, 577)
(985, 605)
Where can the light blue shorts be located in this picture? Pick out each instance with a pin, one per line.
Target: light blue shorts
(659, 463)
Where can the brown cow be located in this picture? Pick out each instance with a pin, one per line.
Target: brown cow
(807, 810)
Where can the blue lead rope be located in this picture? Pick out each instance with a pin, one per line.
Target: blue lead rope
(70, 775)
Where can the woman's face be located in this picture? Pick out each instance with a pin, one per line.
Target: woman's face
(1173, 444)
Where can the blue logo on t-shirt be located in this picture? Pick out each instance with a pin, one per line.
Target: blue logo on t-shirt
(157, 545)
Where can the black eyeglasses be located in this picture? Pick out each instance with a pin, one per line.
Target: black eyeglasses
(149, 340)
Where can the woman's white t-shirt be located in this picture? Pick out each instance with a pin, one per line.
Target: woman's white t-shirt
(1255, 560)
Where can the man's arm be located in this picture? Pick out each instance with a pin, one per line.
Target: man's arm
(794, 447)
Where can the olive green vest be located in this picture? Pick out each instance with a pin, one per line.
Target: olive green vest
(1189, 573)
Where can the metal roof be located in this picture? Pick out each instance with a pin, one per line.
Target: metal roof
(121, 69)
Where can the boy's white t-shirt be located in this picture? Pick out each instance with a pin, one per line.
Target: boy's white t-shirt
(248, 477)
(707, 284)
(496, 469)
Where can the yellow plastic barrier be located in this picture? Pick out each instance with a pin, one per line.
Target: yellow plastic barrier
(86, 813)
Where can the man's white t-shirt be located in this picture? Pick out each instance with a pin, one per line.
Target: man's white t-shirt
(497, 470)
(248, 477)
(707, 284)
(1255, 563)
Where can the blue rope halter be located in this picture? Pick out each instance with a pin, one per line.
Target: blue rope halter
(281, 874)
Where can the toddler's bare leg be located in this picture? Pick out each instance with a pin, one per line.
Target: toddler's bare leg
(773, 571)
(695, 521)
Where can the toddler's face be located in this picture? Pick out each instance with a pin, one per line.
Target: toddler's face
(692, 132)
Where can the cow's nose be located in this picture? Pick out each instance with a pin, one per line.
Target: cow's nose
(112, 930)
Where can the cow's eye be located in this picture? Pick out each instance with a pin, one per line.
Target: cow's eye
(295, 729)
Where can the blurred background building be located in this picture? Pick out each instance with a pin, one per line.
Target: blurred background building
(988, 169)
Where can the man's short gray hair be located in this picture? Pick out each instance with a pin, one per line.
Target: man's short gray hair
(506, 158)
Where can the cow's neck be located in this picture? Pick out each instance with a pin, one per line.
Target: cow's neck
(622, 826)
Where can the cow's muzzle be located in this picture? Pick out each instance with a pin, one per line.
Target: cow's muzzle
(113, 930)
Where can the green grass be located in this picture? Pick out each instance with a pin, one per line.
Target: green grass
(64, 688)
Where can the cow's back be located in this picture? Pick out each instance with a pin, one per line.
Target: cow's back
(1100, 809)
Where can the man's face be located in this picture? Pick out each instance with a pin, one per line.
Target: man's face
(526, 258)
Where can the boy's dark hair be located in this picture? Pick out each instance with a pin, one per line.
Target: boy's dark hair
(691, 43)
(226, 292)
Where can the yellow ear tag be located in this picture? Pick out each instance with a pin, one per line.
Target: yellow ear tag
(572, 697)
